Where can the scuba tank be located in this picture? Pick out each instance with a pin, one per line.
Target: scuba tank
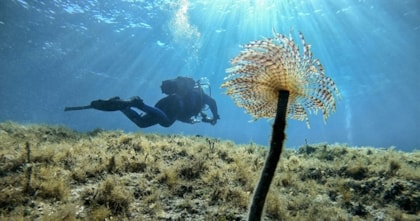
(204, 84)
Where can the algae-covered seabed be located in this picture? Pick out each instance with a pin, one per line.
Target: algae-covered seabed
(54, 173)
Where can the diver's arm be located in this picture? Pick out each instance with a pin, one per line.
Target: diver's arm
(213, 107)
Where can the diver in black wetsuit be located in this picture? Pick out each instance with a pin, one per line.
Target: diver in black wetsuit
(184, 102)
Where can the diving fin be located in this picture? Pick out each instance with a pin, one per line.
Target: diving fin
(112, 104)
(77, 108)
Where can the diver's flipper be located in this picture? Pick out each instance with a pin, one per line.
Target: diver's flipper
(113, 104)
(77, 108)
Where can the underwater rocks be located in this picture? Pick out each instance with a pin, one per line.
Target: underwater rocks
(54, 173)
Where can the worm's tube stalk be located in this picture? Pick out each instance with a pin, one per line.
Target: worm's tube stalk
(273, 157)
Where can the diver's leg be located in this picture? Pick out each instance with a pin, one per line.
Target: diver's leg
(141, 121)
(163, 119)
(155, 111)
(153, 115)
(115, 104)
(172, 107)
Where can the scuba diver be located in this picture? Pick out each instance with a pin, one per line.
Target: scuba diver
(184, 102)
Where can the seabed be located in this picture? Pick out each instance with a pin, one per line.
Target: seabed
(55, 173)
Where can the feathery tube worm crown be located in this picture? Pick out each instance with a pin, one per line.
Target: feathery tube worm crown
(272, 78)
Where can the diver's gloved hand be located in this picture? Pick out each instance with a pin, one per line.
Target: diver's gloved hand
(214, 120)
(112, 104)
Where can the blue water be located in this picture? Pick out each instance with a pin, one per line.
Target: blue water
(66, 52)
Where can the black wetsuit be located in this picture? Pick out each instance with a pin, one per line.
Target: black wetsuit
(171, 108)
